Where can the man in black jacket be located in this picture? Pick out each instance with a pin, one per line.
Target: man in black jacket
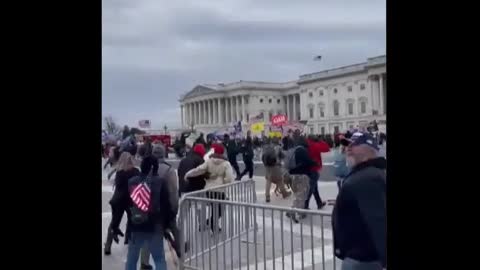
(232, 152)
(300, 175)
(193, 159)
(359, 215)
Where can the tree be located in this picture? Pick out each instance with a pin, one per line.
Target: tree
(110, 126)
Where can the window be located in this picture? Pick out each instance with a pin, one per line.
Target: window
(336, 107)
(321, 110)
(351, 126)
(350, 108)
(362, 86)
(270, 114)
(278, 101)
(363, 107)
(261, 100)
(320, 93)
(336, 129)
(270, 100)
(335, 90)
(322, 130)
(310, 94)
(311, 112)
(350, 89)
(311, 130)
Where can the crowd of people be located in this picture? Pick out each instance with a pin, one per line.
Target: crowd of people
(293, 164)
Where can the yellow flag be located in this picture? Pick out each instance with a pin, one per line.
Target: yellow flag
(257, 127)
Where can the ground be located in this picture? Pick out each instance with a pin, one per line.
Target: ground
(271, 231)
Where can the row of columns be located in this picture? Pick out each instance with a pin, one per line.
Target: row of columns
(379, 93)
(216, 111)
(292, 110)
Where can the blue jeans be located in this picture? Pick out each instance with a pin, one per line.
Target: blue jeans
(154, 241)
(351, 264)
(313, 189)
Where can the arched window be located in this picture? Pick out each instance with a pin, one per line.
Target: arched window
(363, 105)
(321, 110)
(336, 108)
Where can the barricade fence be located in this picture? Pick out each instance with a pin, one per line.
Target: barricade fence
(224, 228)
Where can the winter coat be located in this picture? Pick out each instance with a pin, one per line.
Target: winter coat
(359, 215)
(303, 161)
(232, 149)
(121, 197)
(219, 171)
(145, 150)
(315, 150)
(191, 161)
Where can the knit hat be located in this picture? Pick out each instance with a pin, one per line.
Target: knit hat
(218, 149)
(364, 138)
(199, 149)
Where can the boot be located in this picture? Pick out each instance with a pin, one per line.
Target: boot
(108, 244)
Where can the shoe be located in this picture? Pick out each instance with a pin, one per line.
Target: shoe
(302, 216)
(107, 250)
(267, 200)
(323, 205)
(287, 194)
(146, 267)
(292, 217)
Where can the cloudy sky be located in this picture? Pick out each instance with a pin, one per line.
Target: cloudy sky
(155, 50)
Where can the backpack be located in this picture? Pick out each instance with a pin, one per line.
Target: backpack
(146, 195)
(290, 162)
(269, 156)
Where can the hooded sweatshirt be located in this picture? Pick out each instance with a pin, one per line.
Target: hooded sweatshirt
(219, 171)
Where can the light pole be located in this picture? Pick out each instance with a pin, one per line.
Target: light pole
(165, 128)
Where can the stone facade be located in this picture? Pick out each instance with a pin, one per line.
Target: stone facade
(330, 100)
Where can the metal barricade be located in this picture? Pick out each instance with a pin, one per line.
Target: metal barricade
(232, 231)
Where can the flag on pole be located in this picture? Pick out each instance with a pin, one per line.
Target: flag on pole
(257, 127)
(144, 123)
(141, 196)
(317, 58)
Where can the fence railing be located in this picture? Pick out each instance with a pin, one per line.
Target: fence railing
(224, 228)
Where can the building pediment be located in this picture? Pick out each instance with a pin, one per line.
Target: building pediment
(198, 91)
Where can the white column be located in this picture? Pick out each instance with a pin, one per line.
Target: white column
(202, 112)
(192, 119)
(380, 93)
(244, 115)
(227, 110)
(288, 108)
(219, 112)
(237, 109)
(205, 112)
(210, 106)
(195, 113)
(294, 114)
(232, 112)
(373, 102)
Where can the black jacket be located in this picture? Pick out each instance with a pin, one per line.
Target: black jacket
(303, 161)
(232, 149)
(191, 161)
(359, 216)
(247, 152)
(121, 197)
(157, 221)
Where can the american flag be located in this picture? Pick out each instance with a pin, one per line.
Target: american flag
(141, 196)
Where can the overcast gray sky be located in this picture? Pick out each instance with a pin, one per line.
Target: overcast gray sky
(155, 50)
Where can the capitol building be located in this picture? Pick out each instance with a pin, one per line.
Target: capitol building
(328, 101)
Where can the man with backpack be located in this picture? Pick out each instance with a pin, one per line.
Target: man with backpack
(152, 213)
(298, 163)
(272, 158)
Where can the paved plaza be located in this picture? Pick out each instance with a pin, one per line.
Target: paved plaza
(271, 230)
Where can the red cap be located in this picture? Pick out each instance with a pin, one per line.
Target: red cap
(199, 149)
(218, 148)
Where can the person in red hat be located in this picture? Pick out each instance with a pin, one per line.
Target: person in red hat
(219, 172)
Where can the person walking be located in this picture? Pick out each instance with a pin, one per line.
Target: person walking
(272, 158)
(315, 150)
(232, 152)
(219, 172)
(120, 199)
(299, 164)
(247, 153)
(359, 215)
(193, 159)
(148, 227)
(164, 168)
